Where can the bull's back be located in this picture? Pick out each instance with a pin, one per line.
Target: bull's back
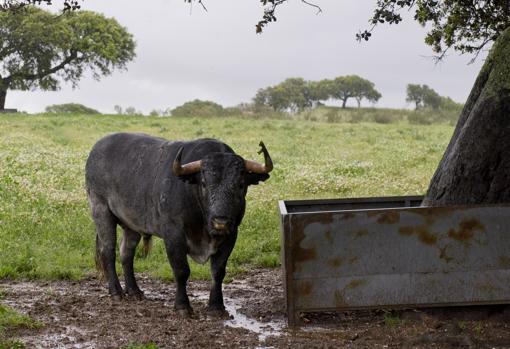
(120, 173)
(122, 161)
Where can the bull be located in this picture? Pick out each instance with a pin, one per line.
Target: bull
(190, 194)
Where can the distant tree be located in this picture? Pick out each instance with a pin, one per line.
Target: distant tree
(132, 111)
(364, 89)
(118, 109)
(199, 108)
(276, 97)
(414, 95)
(431, 98)
(70, 108)
(423, 96)
(298, 94)
(39, 49)
(449, 104)
(261, 98)
(292, 95)
(160, 112)
(319, 91)
(353, 86)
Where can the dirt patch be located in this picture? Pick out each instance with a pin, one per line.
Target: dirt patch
(81, 315)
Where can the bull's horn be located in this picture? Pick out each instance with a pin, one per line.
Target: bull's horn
(255, 167)
(189, 168)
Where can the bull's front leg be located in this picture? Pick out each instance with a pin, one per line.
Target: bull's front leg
(219, 260)
(176, 251)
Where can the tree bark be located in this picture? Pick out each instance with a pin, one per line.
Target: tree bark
(476, 165)
(3, 94)
(344, 102)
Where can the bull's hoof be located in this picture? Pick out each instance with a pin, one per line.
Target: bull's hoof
(135, 294)
(186, 313)
(218, 314)
(117, 297)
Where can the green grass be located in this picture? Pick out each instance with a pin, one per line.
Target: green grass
(393, 320)
(45, 226)
(142, 346)
(10, 320)
(424, 116)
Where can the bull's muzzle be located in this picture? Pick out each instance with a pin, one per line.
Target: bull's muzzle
(220, 223)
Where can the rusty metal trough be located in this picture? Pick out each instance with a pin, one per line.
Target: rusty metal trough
(390, 253)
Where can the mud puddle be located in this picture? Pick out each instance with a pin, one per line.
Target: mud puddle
(81, 315)
(270, 327)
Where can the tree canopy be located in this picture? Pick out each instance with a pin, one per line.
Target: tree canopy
(423, 96)
(70, 108)
(464, 25)
(297, 94)
(353, 86)
(198, 107)
(39, 49)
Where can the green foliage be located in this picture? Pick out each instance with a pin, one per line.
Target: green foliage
(199, 108)
(425, 97)
(419, 118)
(393, 319)
(464, 26)
(353, 86)
(9, 320)
(424, 116)
(46, 228)
(430, 106)
(70, 108)
(298, 95)
(16, 5)
(293, 94)
(11, 344)
(40, 49)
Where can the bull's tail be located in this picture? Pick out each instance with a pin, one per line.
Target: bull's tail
(147, 245)
(99, 262)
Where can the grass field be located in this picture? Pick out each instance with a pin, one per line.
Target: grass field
(45, 226)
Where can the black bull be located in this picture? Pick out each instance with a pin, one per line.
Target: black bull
(190, 194)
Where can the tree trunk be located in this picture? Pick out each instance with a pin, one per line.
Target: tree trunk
(344, 102)
(3, 94)
(476, 165)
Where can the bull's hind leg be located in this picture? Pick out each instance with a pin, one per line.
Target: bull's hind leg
(130, 240)
(106, 238)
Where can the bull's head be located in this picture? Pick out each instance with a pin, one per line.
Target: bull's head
(223, 179)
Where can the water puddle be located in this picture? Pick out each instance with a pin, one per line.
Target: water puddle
(71, 337)
(239, 320)
(263, 329)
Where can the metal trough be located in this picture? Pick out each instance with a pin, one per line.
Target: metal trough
(389, 253)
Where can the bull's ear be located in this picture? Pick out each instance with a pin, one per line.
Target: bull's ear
(190, 178)
(255, 178)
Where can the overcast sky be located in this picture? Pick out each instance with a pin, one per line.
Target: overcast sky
(185, 53)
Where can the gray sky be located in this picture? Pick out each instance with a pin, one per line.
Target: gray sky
(185, 53)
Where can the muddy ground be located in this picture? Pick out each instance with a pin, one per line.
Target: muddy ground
(81, 315)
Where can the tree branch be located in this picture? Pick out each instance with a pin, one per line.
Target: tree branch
(319, 9)
(73, 55)
(270, 12)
